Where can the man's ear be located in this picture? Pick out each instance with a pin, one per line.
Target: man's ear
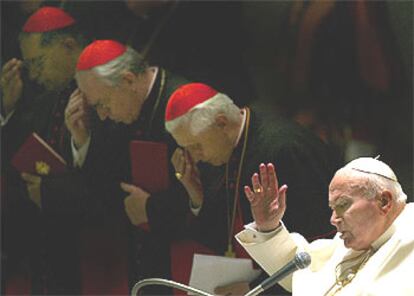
(70, 44)
(385, 201)
(221, 121)
(128, 78)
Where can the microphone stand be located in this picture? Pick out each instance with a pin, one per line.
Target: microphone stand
(256, 291)
(182, 287)
(168, 283)
(300, 261)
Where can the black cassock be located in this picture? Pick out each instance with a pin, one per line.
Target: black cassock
(302, 162)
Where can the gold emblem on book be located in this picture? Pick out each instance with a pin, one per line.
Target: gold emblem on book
(42, 168)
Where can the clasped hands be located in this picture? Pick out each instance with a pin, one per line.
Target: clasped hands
(188, 174)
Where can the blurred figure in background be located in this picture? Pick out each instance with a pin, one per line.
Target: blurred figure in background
(198, 39)
(35, 236)
(339, 68)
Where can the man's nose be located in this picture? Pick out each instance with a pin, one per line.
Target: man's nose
(335, 219)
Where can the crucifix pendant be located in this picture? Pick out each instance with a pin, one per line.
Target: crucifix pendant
(229, 253)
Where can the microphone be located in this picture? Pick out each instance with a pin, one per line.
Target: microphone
(301, 261)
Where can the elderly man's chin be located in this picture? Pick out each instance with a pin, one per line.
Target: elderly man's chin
(127, 120)
(347, 239)
(220, 159)
(351, 243)
(216, 161)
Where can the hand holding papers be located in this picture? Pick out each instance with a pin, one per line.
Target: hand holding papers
(208, 271)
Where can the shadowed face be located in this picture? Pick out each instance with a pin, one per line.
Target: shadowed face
(51, 65)
(212, 145)
(119, 103)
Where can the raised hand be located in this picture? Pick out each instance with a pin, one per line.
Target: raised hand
(267, 200)
(135, 204)
(76, 118)
(188, 174)
(11, 84)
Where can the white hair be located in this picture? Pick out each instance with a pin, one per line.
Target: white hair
(111, 72)
(204, 114)
(378, 176)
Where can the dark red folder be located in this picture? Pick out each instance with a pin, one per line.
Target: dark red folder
(149, 165)
(35, 156)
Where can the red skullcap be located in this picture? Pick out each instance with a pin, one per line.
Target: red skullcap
(187, 97)
(48, 19)
(98, 53)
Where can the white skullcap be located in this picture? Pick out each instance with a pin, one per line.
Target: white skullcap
(374, 166)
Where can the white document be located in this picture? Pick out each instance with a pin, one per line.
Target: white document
(208, 271)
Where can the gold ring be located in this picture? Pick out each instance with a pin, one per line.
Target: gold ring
(178, 175)
(258, 190)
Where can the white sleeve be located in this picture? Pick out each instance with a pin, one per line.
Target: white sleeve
(79, 155)
(271, 250)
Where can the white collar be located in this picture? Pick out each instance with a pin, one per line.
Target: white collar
(244, 113)
(383, 237)
(151, 85)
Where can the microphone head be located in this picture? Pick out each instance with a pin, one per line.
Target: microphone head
(302, 260)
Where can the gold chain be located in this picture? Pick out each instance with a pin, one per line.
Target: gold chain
(340, 283)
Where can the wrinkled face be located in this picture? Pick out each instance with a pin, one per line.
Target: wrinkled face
(118, 103)
(52, 65)
(356, 217)
(212, 145)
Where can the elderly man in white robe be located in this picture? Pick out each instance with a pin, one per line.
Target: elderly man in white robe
(373, 251)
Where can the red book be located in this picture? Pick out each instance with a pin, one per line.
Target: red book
(149, 165)
(35, 156)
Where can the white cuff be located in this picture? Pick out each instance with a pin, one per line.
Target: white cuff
(259, 237)
(194, 210)
(79, 155)
(4, 120)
